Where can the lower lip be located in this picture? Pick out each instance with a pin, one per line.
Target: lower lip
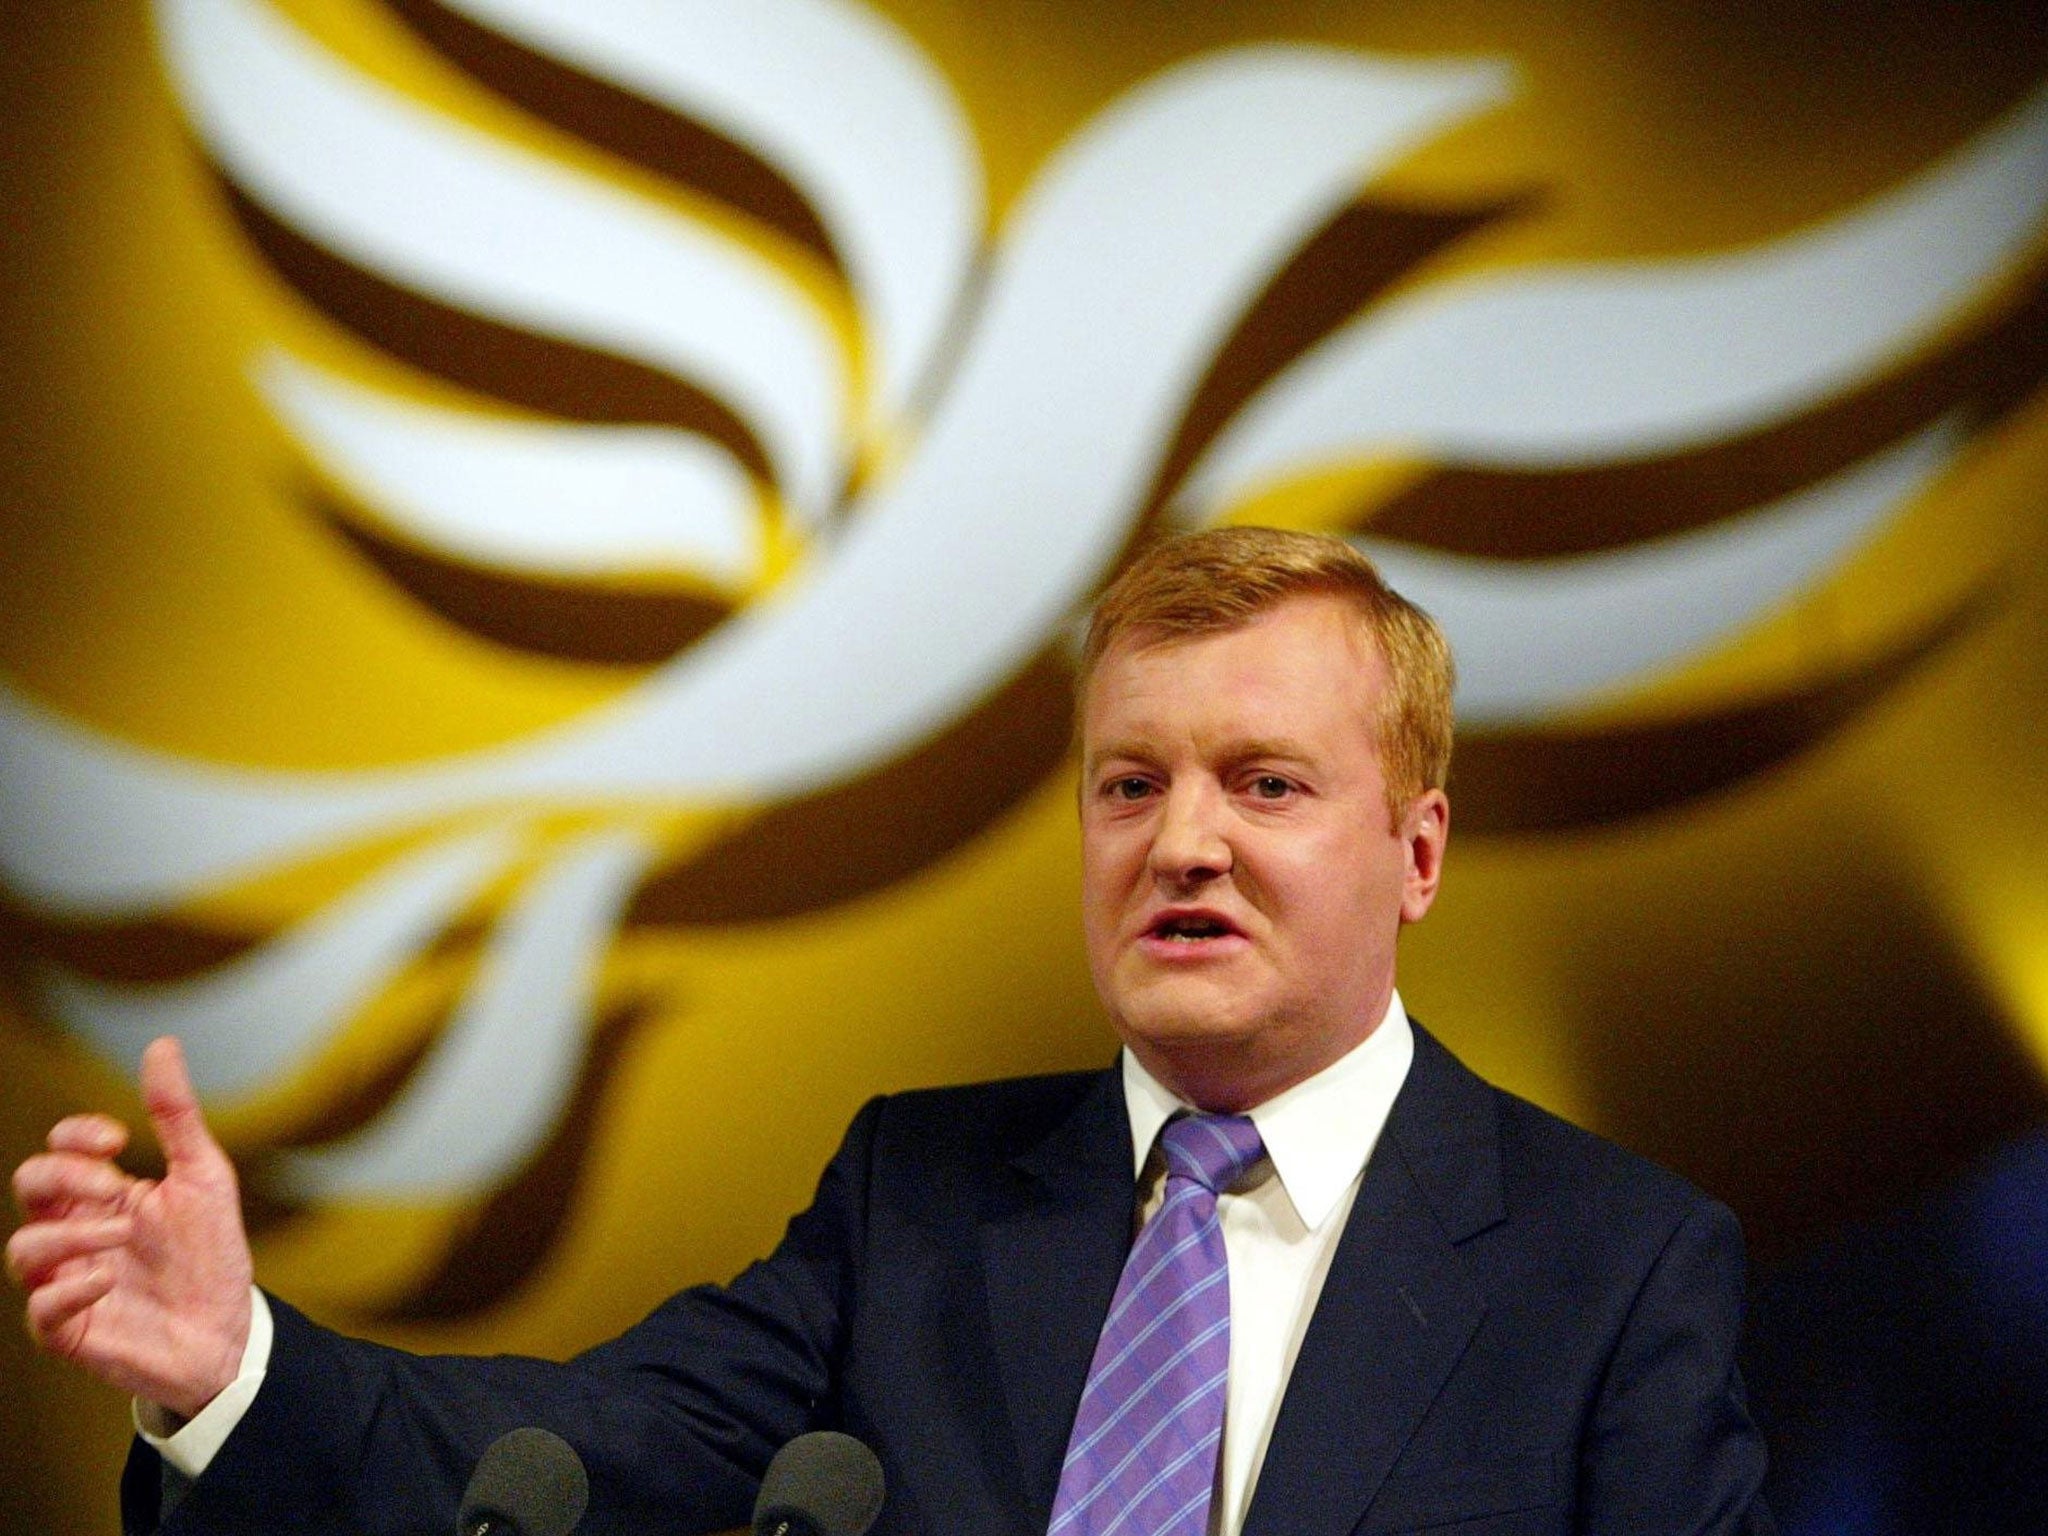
(1190, 951)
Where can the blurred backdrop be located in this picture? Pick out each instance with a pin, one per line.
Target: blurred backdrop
(540, 544)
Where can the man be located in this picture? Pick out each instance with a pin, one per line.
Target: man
(1380, 1294)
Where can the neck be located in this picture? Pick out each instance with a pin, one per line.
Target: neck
(1233, 1077)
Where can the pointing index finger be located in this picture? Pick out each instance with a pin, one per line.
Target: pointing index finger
(173, 1105)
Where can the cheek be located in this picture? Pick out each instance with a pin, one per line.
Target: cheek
(1101, 922)
(1100, 887)
(1332, 885)
(1110, 854)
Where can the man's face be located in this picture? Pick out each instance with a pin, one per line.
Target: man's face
(1242, 886)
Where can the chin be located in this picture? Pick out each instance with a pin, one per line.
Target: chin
(1157, 1022)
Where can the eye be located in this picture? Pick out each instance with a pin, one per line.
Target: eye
(1129, 786)
(1270, 786)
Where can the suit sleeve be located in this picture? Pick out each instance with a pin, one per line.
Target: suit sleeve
(675, 1420)
(1671, 1447)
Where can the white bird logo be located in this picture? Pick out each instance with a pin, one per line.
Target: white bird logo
(886, 528)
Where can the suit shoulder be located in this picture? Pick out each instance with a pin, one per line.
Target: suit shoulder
(1050, 1095)
(1592, 1207)
(999, 1119)
(1567, 1158)
(1549, 1170)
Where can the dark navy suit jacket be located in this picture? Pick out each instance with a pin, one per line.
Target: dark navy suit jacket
(1524, 1329)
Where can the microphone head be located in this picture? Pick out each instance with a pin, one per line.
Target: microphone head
(529, 1483)
(820, 1484)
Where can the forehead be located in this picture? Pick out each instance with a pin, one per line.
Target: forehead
(1305, 665)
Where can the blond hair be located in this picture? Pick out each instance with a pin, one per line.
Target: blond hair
(1221, 579)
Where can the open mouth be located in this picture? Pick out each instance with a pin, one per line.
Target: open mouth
(1190, 927)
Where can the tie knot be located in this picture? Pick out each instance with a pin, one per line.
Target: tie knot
(1213, 1150)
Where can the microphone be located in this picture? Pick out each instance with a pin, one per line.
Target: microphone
(530, 1482)
(820, 1484)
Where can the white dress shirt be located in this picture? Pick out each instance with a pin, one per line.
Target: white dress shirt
(1281, 1223)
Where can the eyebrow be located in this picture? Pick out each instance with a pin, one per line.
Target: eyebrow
(1109, 754)
(1271, 748)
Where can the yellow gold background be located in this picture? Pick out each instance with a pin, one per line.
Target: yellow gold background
(1816, 994)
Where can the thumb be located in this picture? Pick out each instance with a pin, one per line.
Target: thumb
(173, 1106)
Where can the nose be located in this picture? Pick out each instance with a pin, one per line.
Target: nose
(1189, 845)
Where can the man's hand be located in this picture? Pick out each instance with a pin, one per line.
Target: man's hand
(143, 1282)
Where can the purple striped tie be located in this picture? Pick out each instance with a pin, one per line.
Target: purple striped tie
(1142, 1458)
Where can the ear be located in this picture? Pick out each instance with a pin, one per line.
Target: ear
(1425, 829)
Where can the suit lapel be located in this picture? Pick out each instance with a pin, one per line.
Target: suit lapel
(1397, 1309)
(1054, 1233)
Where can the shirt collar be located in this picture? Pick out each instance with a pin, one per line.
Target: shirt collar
(1318, 1133)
